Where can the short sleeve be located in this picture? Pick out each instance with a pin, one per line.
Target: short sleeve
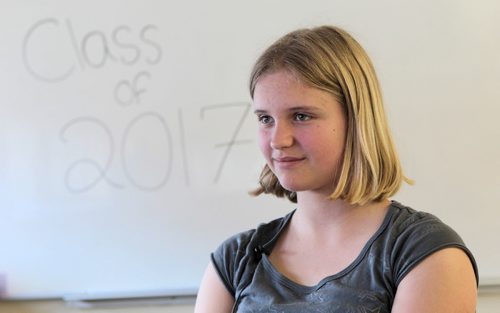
(228, 258)
(420, 236)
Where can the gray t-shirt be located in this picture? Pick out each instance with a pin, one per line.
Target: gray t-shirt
(368, 284)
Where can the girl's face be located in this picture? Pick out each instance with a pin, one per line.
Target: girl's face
(301, 132)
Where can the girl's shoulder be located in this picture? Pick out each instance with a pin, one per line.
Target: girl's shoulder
(242, 251)
(413, 235)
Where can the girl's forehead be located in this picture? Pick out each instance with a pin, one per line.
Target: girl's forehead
(281, 84)
(283, 90)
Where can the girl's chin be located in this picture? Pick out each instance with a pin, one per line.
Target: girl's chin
(292, 187)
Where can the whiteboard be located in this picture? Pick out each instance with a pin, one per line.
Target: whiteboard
(127, 144)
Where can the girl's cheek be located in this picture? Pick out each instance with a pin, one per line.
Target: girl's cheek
(263, 142)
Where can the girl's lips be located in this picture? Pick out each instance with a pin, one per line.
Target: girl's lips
(288, 159)
(286, 162)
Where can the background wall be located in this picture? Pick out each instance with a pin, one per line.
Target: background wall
(126, 144)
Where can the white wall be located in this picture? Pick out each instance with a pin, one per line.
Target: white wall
(59, 307)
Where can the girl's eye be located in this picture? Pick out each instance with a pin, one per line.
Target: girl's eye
(265, 119)
(301, 117)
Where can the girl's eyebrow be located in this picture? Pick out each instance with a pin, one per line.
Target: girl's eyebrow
(293, 109)
(304, 108)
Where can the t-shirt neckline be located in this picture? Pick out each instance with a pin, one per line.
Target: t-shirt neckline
(269, 267)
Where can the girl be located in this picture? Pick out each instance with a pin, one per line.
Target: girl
(346, 247)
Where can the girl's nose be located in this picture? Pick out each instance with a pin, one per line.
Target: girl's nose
(282, 136)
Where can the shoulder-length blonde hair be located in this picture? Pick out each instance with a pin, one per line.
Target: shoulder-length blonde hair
(328, 58)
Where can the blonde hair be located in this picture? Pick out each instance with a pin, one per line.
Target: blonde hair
(328, 58)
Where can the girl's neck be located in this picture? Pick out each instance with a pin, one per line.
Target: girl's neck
(316, 213)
